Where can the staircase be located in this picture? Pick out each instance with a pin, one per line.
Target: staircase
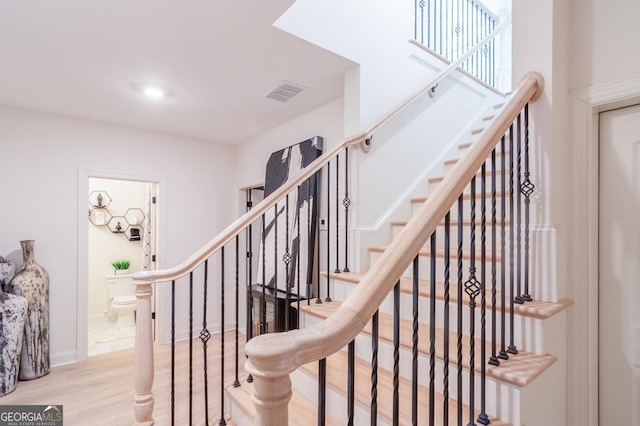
(387, 360)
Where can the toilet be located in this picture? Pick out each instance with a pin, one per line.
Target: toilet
(123, 299)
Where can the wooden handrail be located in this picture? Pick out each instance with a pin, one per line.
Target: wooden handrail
(274, 356)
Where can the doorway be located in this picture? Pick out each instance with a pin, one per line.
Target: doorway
(619, 267)
(121, 241)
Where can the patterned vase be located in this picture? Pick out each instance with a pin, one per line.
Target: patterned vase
(7, 271)
(13, 314)
(32, 282)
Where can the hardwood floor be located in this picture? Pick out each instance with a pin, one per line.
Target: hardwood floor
(100, 391)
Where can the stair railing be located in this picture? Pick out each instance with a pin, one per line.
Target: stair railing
(271, 358)
(197, 273)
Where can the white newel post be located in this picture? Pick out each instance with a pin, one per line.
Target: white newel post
(271, 395)
(143, 364)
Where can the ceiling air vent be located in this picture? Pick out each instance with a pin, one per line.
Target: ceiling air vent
(284, 91)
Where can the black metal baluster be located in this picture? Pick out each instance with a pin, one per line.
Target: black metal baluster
(432, 330)
(250, 301)
(374, 369)
(286, 258)
(526, 189)
(428, 23)
(414, 349)
(204, 337)
(337, 270)
(396, 354)
(309, 244)
(236, 382)
(275, 266)
(318, 298)
(440, 51)
(446, 31)
(459, 256)
(447, 264)
(328, 298)
(173, 352)
(472, 288)
(298, 263)
(483, 418)
(263, 301)
(493, 56)
(494, 339)
(503, 276)
(351, 368)
(415, 19)
(221, 422)
(346, 202)
(512, 349)
(518, 299)
(191, 348)
(322, 391)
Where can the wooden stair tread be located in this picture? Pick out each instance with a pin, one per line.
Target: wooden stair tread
(465, 196)
(535, 309)
(299, 407)
(454, 222)
(336, 377)
(478, 177)
(452, 161)
(440, 253)
(519, 370)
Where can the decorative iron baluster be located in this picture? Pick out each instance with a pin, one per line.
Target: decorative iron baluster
(322, 391)
(191, 348)
(493, 360)
(351, 368)
(447, 264)
(446, 30)
(286, 258)
(250, 301)
(346, 202)
(236, 382)
(526, 189)
(275, 266)
(414, 348)
(318, 298)
(374, 369)
(221, 422)
(512, 347)
(205, 335)
(503, 276)
(460, 306)
(337, 270)
(472, 288)
(518, 298)
(299, 243)
(263, 301)
(396, 353)
(483, 418)
(432, 330)
(328, 298)
(173, 352)
(310, 284)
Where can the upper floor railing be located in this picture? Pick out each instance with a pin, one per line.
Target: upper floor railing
(452, 27)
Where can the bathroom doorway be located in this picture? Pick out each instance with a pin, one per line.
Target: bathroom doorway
(121, 241)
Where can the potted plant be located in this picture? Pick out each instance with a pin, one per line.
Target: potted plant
(121, 266)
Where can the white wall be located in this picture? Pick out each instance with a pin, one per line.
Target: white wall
(42, 159)
(604, 41)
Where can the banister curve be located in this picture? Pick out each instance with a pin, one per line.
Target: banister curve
(275, 355)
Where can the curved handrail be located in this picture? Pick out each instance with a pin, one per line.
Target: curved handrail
(275, 355)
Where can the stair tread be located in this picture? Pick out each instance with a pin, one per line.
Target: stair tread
(465, 196)
(451, 161)
(519, 370)
(478, 175)
(535, 309)
(336, 374)
(299, 407)
(454, 222)
(440, 252)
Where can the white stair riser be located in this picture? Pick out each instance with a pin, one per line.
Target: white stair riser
(466, 207)
(466, 237)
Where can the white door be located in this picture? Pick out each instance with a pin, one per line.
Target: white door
(619, 280)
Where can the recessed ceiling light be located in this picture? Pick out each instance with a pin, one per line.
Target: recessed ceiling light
(152, 91)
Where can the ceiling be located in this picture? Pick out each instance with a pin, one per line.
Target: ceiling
(218, 57)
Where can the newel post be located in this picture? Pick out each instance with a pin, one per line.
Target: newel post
(271, 395)
(143, 363)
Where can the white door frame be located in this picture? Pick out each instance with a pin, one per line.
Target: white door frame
(586, 105)
(82, 301)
